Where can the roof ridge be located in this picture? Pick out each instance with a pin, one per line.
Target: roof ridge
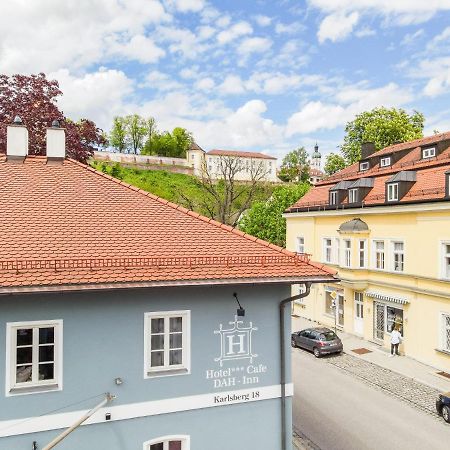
(190, 212)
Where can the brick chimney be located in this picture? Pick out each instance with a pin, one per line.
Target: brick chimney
(16, 140)
(56, 142)
(367, 148)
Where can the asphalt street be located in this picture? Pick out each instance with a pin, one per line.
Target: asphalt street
(337, 411)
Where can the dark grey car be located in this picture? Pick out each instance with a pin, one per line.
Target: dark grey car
(321, 341)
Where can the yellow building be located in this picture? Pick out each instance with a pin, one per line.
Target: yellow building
(384, 224)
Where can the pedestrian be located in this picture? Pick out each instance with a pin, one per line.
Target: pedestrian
(396, 338)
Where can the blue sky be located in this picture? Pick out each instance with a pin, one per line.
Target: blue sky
(249, 75)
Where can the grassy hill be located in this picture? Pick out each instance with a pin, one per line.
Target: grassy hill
(175, 187)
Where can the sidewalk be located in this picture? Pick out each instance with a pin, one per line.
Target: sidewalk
(402, 365)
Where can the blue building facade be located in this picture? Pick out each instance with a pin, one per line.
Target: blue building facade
(217, 403)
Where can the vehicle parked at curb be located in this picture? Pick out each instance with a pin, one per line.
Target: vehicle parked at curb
(443, 406)
(321, 341)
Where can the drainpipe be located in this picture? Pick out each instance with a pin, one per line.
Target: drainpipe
(283, 360)
(108, 398)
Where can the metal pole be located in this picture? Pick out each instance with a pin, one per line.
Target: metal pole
(58, 439)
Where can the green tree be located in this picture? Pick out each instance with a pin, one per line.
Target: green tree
(136, 131)
(119, 134)
(173, 144)
(383, 127)
(334, 163)
(295, 166)
(265, 219)
(151, 132)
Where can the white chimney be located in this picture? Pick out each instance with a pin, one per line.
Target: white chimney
(16, 139)
(56, 141)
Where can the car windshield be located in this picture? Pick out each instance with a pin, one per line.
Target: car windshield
(328, 336)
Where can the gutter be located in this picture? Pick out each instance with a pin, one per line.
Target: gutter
(283, 360)
(283, 303)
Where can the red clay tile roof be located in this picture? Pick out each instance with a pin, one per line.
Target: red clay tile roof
(315, 172)
(239, 154)
(430, 184)
(68, 224)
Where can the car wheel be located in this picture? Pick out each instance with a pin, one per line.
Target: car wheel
(316, 352)
(293, 342)
(446, 413)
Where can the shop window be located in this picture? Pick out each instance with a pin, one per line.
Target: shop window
(34, 363)
(329, 302)
(445, 332)
(167, 343)
(394, 319)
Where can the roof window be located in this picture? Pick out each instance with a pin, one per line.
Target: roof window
(399, 185)
(364, 165)
(385, 162)
(428, 152)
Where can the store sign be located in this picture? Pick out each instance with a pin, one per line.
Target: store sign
(236, 362)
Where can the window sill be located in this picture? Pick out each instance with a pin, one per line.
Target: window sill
(167, 373)
(440, 350)
(25, 390)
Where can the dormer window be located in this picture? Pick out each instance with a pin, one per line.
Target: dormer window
(333, 197)
(429, 152)
(447, 183)
(392, 192)
(364, 165)
(352, 195)
(385, 162)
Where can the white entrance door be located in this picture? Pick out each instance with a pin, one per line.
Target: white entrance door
(359, 313)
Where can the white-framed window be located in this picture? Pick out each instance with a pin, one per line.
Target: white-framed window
(167, 343)
(337, 253)
(300, 244)
(353, 195)
(168, 443)
(362, 253)
(448, 184)
(385, 162)
(364, 166)
(327, 250)
(428, 152)
(446, 260)
(359, 305)
(445, 332)
(392, 191)
(333, 197)
(192, 157)
(347, 252)
(398, 256)
(33, 356)
(379, 255)
(301, 290)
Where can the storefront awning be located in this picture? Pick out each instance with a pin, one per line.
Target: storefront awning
(387, 298)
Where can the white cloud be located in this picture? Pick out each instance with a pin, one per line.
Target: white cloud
(223, 21)
(288, 28)
(138, 48)
(99, 95)
(254, 45)
(438, 80)
(337, 27)
(232, 85)
(237, 30)
(410, 38)
(205, 84)
(70, 34)
(205, 32)
(349, 101)
(182, 41)
(263, 21)
(160, 81)
(403, 12)
(364, 32)
(187, 5)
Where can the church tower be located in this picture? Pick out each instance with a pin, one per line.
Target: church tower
(316, 158)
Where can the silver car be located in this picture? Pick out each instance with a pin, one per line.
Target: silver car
(321, 341)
